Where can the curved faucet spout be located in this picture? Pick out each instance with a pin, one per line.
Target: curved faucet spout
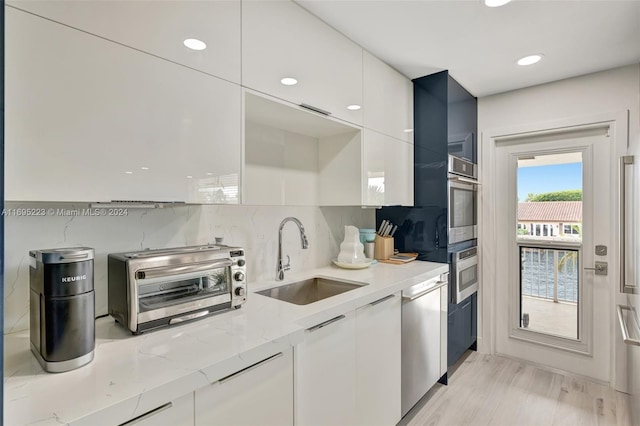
(280, 267)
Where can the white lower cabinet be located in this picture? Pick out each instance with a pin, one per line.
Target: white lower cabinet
(324, 375)
(175, 413)
(348, 368)
(261, 394)
(378, 327)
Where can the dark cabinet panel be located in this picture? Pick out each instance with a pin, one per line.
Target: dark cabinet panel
(461, 332)
(462, 122)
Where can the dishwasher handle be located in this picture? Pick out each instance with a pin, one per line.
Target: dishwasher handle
(444, 279)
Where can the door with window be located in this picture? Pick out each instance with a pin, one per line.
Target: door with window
(552, 299)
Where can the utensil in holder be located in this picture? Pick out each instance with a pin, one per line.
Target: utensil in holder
(384, 247)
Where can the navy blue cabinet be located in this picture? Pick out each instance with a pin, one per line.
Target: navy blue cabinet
(462, 328)
(445, 122)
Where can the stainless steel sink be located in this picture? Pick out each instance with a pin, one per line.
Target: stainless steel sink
(309, 291)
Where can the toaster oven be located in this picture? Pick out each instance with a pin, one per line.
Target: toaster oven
(157, 288)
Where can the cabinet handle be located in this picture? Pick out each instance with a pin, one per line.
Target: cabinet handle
(315, 109)
(148, 414)
(391, 296)
(623, 326)
(324, 324)
(249, 368)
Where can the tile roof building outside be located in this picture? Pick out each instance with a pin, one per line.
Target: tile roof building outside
(550, 211)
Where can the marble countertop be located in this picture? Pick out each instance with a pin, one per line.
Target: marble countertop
(131, 375)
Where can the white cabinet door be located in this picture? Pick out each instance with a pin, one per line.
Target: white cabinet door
(388, 99)
(91, 120)
(280, 39)
(378, 331)
(260, 395)
(398, 173)
(158, 27)
(325, 374)
(388, 170)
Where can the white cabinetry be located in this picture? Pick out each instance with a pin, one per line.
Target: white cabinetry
(388, 99)
(325, 373)
(388, 170)
(280, 39)
(158, 27)
(90, 120)
(378, 331)
(348, 368)
(295, 157)
(261, 394)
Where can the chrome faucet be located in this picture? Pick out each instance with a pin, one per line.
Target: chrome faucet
(280, 268)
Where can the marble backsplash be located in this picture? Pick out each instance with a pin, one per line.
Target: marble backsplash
(253, 227)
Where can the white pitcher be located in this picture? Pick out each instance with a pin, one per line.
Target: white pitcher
(351, 249)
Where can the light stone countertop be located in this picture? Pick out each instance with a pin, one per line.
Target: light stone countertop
(131, 375)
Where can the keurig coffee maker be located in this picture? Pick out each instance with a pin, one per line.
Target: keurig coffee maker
(62, 307)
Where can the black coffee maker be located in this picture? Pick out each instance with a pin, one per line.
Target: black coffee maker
(62, 307)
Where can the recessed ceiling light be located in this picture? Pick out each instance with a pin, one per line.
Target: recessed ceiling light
(289, 81)
(209, 174)
(408, 130)
(353, 107)
(128, 173)
(529, 60)
(189, 177)
(496, 3)
(144, 168)
(195, 44)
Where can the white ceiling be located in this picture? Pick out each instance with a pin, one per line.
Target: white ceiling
(479, 45)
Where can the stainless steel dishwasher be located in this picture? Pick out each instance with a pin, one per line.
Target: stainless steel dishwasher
(424, 324)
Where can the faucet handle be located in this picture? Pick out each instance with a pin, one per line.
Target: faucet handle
(288, 265)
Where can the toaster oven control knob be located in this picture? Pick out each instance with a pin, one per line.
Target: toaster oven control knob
(240, 291)
(241, 262)
(238, 276)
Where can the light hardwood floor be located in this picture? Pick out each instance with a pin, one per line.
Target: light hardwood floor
(494, 390)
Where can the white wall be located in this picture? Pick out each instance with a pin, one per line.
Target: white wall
(607, 92)
(254, 228)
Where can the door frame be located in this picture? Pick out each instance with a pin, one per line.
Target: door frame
(618, 122)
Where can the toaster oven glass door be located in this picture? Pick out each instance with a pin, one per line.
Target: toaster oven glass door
(165, 291)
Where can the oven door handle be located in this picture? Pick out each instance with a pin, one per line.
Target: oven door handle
(464, 179)
(165, 271)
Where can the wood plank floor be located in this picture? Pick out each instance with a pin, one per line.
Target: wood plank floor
(497, 391)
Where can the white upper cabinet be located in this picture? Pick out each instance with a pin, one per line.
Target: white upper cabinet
(388, 99)
(158, 27)
(90, 120)
(282, 40)
(387, 171)
(296, 157)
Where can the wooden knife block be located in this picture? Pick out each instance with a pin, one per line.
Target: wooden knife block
(383, 247)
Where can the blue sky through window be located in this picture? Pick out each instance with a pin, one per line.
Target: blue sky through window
(551, 178)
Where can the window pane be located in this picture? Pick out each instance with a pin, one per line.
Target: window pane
(550, 202)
